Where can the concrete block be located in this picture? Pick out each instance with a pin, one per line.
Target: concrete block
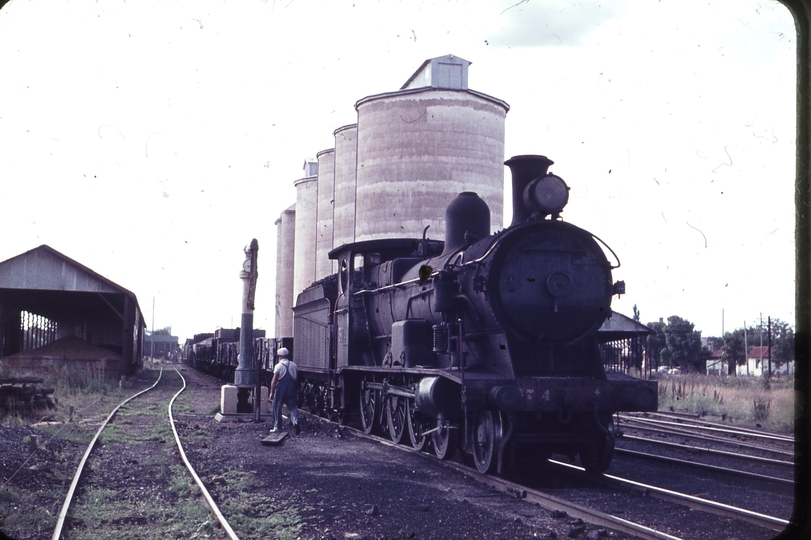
(228, 399)
(264, 404)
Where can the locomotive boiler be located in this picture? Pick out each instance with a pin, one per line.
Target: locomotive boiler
(486, 343)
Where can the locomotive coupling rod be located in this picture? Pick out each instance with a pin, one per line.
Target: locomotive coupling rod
(388, 390)
(432, 430)
(397, 391)
(372, 385)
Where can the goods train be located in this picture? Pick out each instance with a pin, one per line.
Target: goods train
(486, 343)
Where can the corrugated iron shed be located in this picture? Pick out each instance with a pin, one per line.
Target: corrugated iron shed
(46, 296)
(618, 326)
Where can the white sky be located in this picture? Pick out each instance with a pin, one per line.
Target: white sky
(150, 141)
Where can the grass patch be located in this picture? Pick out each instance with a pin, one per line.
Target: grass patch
(747, 401)
(17, 516)
(96, 507)
(258, 516)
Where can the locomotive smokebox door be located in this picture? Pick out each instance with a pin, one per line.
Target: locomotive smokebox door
(412, 343)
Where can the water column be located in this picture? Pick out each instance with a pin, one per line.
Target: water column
(245, 374)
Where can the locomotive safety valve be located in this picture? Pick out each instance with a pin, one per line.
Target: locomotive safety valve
(619, 288)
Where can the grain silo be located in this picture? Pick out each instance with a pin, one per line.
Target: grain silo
(306, 213)
(346, 153)
(419, 147)
(285, 250)
(323, 241)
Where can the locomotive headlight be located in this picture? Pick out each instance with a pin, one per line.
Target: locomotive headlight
(547, 194)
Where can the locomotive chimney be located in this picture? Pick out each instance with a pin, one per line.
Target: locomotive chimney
(524, 170)
(467, 219)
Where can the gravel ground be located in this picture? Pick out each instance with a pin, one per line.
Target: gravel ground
(323, 483)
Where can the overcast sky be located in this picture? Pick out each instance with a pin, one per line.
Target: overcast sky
(150, 141)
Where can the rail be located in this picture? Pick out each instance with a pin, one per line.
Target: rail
(697, 503)
(60, 522)
(226, 527)
(209, 500)
(590, 515)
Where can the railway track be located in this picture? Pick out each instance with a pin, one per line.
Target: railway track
(574, 506)
(688, 441)
(754, 441)
(136, 419)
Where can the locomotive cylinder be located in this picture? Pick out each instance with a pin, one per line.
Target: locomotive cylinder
(437, 396)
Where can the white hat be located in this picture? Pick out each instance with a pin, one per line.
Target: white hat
(283, 352)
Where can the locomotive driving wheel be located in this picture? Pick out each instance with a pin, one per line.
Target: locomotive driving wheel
(417, 425)
(369, 404)
(396, 414)
(487, 432)
(596, 454)
(444, 440)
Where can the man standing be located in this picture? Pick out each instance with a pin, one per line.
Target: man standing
(284, 377)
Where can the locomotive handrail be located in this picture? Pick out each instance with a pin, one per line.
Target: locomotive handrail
(609, 249)
(392, 286)
(496, 240)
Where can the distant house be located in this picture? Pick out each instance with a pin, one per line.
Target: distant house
(715, 364)
(757, 363)
(161, 346)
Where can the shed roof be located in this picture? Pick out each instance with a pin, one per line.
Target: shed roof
(758, 352)
(44, 268)
(32, 279)
(618, 326)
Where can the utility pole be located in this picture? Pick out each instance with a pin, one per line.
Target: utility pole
(761, 342)
(152, 335)
(770, 346)
(745, 349)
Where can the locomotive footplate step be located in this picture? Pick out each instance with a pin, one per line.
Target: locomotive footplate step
(274, 438)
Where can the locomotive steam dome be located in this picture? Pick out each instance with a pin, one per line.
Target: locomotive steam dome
(467, 215)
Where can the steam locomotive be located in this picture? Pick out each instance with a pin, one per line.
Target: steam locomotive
(486, 343)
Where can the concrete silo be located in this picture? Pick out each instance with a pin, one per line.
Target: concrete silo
(306, 214)
(285, 252)
(419, 147)
(346, 153)
(324, 220)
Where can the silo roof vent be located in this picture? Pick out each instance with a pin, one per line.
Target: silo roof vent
(448, 72)
(310, 167)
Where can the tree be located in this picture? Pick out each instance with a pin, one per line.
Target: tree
(682, 343)
(163, 331)
(734, 352)
(715, 343)
(782, 343)
(657, 343)
(636, 313)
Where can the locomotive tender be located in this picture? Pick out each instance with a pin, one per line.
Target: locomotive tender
(487, 343)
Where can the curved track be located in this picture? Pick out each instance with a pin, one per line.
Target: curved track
(72, 490)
